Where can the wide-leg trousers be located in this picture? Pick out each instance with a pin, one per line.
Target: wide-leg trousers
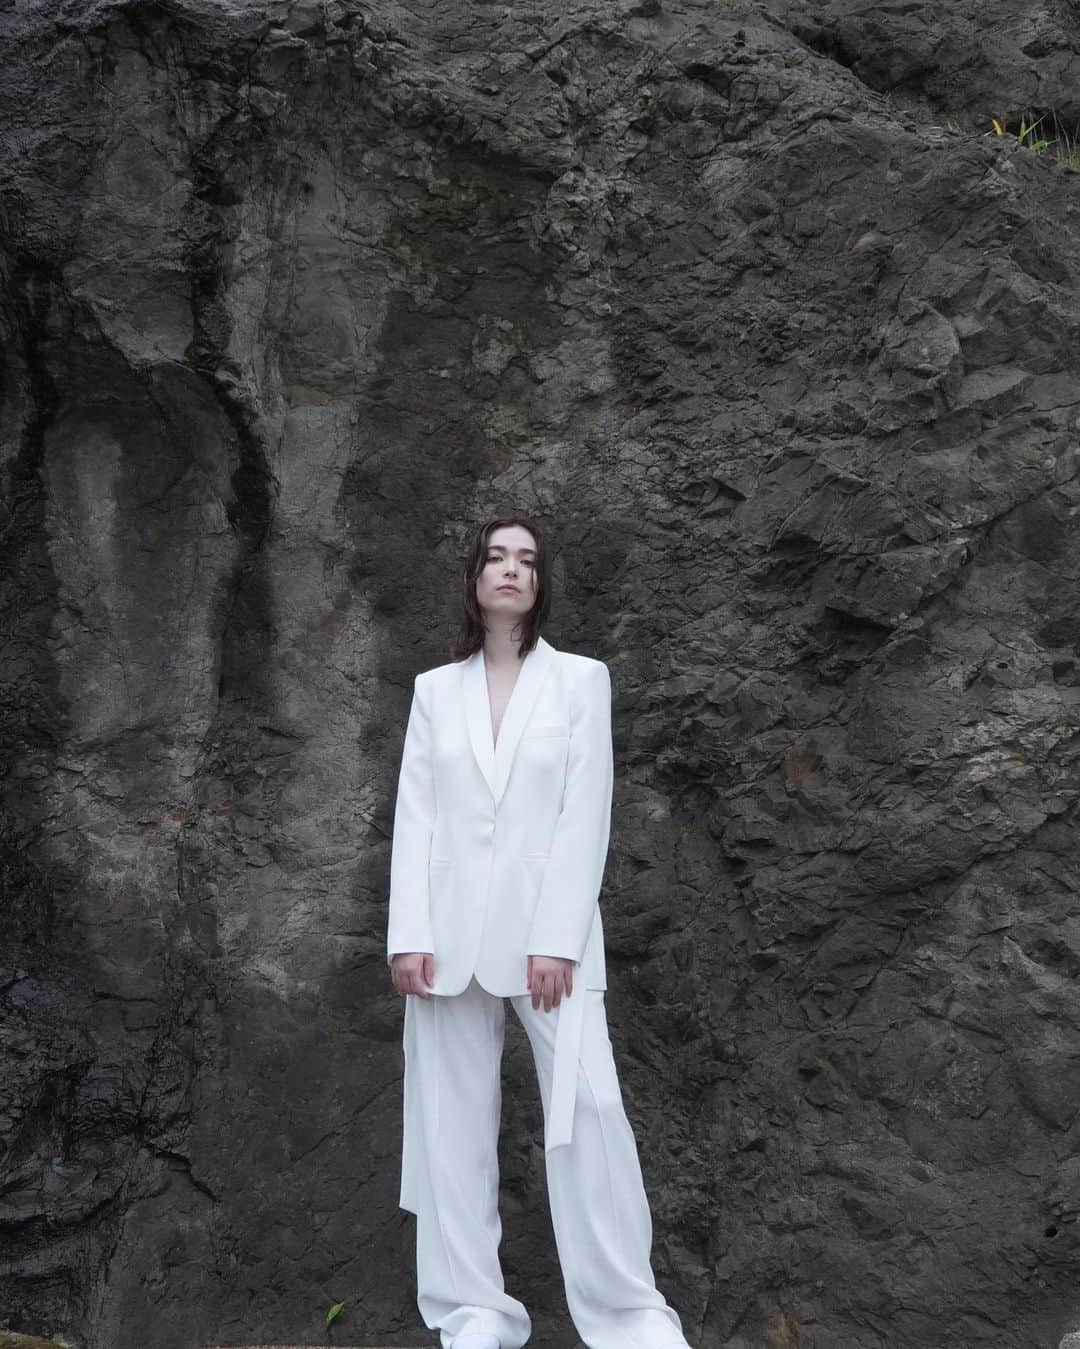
(599, 1209)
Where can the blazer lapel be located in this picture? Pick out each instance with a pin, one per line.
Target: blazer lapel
(495, 760)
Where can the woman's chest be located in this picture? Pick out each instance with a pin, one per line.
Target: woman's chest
(535, 745)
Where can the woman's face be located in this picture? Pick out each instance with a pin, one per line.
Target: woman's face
(506, 586)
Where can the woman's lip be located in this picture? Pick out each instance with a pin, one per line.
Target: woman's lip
(506, 587)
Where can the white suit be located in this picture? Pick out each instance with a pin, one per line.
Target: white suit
(490, 866)
(498, 853)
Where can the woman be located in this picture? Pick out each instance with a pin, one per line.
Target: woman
(500, 838)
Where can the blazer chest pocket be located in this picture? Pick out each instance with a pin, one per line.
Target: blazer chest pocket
(551, 729)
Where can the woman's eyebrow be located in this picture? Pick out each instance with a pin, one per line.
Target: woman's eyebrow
(501, 548)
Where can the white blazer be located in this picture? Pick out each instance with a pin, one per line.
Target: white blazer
(498, 852)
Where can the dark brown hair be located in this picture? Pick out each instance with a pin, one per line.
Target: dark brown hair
(472, 626)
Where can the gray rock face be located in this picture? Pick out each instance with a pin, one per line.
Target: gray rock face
(745, 303)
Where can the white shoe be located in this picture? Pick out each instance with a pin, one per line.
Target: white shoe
(476, 1339)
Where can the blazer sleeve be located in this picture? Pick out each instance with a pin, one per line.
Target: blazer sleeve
(575, 868)
(409, 921)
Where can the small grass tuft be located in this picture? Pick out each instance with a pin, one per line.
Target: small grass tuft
(1063, 146)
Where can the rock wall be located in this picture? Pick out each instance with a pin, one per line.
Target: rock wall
(748, 303)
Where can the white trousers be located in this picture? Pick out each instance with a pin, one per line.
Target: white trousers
(600, 1213)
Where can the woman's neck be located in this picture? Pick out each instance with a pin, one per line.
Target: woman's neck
(502, 646)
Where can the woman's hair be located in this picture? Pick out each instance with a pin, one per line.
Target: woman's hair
(472, 627)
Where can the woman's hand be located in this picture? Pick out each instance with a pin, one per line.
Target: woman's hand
(412, 972)
(549, 977)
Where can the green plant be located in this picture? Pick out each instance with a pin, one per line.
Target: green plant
(334, 1313)
(1066, 146)
(1022, 135)
(9, 1339)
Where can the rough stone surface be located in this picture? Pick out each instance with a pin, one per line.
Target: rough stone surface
(745, 302)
